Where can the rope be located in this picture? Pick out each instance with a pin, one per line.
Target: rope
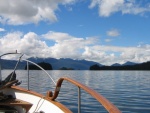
(37, 108)
(15, 67)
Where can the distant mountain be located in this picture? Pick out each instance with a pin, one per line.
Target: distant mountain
(128, 63)
(141, 66)
(66, 62)
(116, 64)
(10, 64)
(44, 65)
(56, 63)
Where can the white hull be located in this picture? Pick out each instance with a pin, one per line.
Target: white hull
(40, 103)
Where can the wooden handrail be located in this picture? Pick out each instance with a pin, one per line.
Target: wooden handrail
(106, 103)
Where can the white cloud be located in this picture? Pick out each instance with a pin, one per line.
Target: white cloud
(108, 7)
(113, 33)
(28, 43)
(57, 36)
(107, 54)
(1, 29)
(108, 40)
(16, 12)
(29, 11)
(67, 46)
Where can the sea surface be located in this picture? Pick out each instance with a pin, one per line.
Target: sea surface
(128, 90)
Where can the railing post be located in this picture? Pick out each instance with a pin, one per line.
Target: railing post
(28, 73)
(79, 100)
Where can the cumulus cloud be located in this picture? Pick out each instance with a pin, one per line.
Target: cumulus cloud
(29, 11)
(67, 46)
(108, 7)
(27, 43)
(57, 36)
(20, 12)
(112, 54)
(1, 29)
(113, 33)
(108, 40)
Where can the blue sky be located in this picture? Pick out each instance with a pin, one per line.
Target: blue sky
(105, 31)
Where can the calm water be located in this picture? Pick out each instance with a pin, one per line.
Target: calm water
(128, 90)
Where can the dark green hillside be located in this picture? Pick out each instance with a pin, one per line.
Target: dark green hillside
(142, 66)
(44, 65)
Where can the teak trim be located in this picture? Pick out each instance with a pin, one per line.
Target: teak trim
(106, 103)
(17, 102)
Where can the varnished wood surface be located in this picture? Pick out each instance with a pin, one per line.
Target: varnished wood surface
(16, 102)
(106, 103)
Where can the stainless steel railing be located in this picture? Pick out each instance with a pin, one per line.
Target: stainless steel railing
(28, 61)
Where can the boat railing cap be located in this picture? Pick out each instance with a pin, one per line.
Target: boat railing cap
(9, 53)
